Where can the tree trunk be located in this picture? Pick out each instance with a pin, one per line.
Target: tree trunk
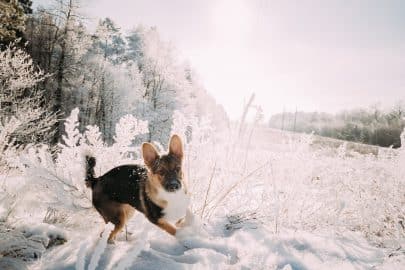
(59, 76)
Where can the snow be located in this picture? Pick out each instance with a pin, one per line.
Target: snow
(27, 243)
(275, 202)
(217, 248)
(47, 232)
(8, 263)
(100, 247)
(395, 262)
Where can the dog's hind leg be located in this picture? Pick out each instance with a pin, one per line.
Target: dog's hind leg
(128, 211)
(119, 225)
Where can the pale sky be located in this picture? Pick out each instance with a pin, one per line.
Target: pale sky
(313, 55)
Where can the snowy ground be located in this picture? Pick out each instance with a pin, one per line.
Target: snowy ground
(251, 247)
(276, 202)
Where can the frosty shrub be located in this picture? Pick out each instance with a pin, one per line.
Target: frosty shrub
(60, 182)
(74, 145)
(286, 181)
(23, 119)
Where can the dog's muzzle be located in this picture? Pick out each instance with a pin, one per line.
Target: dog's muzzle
(172, 185)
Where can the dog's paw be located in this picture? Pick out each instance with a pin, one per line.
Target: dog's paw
(187, 220)
(111, 241)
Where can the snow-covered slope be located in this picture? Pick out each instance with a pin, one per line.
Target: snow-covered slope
(216, 246)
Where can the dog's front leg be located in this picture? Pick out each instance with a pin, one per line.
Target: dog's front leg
(187, 220)
(181, 222)
(164, 225)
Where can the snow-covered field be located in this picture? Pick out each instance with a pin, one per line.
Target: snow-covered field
(252, 247)
(261, 199)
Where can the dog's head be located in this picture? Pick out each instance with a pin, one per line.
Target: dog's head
(165, 171)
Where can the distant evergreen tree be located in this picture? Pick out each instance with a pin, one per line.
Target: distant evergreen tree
(12, 21)
(108, 41)
(135, 45)
(107, 51)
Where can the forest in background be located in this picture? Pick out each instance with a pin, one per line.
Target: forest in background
(108, 73)
(53, 63)
(371, 126)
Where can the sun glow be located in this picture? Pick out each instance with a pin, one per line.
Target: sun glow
(232, 19)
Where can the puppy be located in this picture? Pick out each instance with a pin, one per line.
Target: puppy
(157, 190)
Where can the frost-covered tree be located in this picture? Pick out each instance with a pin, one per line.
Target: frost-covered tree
(106, 54)
(135, 45)
(57, 41)
(108, 41)
(108, 76)
(23, 117)
(156, 63)
(110, 86)
(169, 84)
(70, 51)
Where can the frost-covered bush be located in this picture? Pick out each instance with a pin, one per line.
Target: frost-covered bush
(286, 181)
(70, 162)
(49, 182)
(23, 118)
(293, 181)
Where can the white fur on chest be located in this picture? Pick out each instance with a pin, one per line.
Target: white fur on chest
(177, 204)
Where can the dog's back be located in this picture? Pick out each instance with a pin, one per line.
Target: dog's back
(122, 184)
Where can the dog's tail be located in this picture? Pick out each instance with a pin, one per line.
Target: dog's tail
(90, 164)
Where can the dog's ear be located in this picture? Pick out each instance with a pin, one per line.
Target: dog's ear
(176, 146)
(149, 154)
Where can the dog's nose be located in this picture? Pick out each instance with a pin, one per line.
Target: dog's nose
(173, 185)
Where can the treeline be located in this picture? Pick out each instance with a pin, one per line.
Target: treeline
(106, 73)
(371, 126)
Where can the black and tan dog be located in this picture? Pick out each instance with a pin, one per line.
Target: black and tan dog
(158, 191)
